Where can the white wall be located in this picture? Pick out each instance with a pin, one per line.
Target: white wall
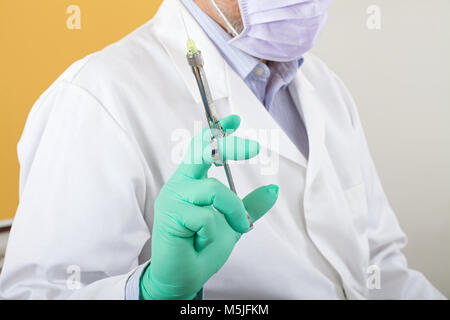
(400, 78)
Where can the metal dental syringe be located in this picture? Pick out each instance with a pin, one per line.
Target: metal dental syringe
(195, 59)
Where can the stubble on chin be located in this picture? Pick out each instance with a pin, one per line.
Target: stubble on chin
(231, 10)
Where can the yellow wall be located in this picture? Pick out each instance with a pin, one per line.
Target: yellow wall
(36, 46)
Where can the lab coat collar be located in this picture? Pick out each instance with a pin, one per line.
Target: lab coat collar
(314, 118)
(169, 26)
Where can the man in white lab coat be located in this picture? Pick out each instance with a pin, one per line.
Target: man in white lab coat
(103, 140)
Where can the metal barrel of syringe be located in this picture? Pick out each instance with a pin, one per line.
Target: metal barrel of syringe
(196, 62)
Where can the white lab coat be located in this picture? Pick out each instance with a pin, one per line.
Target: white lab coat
(100, 143)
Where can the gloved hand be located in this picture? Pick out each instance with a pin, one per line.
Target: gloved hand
(198, 220)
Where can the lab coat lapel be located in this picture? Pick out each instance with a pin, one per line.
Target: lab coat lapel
(326, 211)
(309, 106)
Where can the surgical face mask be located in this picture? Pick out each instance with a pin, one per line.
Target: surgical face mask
(278, 30)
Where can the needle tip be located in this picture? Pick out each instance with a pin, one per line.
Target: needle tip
(192, 48)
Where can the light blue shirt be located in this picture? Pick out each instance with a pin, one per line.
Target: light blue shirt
(268, 82)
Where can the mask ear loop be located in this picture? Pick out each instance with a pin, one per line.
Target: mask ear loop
(224, 18)
(180, 11)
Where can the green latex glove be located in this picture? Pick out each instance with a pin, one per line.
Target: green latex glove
(198, 220)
